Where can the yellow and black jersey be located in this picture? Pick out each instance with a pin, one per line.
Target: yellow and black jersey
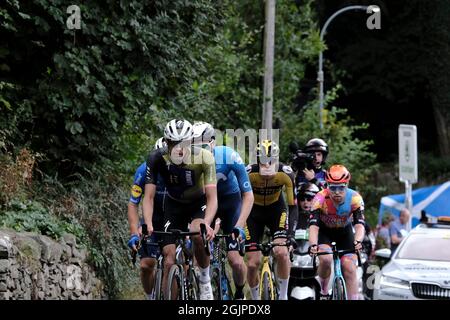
(268, 191)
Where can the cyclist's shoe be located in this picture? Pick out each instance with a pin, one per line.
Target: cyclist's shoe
(325, 297)
(238, 296)
(206, 291)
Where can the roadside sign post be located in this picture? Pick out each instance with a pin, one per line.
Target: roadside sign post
(407, 156)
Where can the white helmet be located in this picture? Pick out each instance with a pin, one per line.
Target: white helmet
(203, 132)
(160, 143)
(178, 130)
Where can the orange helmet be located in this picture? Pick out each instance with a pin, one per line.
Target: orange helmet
(337, 174)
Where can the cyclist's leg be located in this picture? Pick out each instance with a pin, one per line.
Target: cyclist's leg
(349, 263)
(148, 258)
(229, 211)
(147, 263)
(279, 230)
(173, 219)
(325, 261)
(253, 234)
(197, 210)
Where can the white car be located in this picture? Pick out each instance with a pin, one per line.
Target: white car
(420, 268)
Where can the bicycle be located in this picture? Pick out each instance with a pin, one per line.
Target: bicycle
(268, 287)
(182, 284)
(219, 279)
(338, 289)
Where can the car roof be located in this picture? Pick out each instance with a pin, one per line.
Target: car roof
(437, 228)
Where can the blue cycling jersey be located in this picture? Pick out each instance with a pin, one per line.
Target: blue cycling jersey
(139, 186)
(232, 176)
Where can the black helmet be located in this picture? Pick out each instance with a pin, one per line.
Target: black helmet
(317, 144)
(308, 189)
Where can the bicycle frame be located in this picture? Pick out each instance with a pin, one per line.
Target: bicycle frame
(267, 269)
(218, 262)
(337, 273)
(183, 257)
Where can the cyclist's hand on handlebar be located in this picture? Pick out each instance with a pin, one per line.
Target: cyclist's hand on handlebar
(209, 233)
(313, 249)
(134, 240)
(240, 231)
(293, 244)
(358, 245)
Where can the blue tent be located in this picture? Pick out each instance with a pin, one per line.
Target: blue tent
(435, 200)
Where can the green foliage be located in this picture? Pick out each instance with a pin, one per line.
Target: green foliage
(128, 63)
(98, 202)
(32, 216)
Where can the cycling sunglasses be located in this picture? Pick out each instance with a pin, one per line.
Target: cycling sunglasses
(337, 188)
(305, 197)
(181, 144)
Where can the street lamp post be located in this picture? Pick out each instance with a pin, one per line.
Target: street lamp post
(320, 72)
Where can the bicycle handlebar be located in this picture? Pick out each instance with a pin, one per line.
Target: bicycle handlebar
(338, 252)
(177, 233)
(269, 245)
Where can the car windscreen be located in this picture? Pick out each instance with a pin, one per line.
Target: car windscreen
(432, 247)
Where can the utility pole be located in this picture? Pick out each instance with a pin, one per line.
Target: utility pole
(269, 52)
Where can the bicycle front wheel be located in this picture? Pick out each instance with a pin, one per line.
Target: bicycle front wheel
(267, 290)
(193, 288)
(339, 290)
(175, 290)
(215, 283)
(158, 284)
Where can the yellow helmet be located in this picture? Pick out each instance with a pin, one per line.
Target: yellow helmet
(267, 149)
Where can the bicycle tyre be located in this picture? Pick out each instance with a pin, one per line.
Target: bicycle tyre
(175, 277)
(229, 292)
(339, 290)
(267, 289)
(158, 285)
(215, 283)
(193, 288)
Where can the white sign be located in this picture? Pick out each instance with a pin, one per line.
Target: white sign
(407, 153)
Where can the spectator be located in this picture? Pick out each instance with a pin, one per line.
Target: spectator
(383, 237)
(398, 229)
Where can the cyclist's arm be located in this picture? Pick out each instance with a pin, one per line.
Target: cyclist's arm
(148, 205)
(246, 189)
(358, 218)
(293, 220)
(133, 218)
(210, 183)
(314, 227)
(135, 199)
(291, 194)
(246, 208)
(211, 203)
(150, 190)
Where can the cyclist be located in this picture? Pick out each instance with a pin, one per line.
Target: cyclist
(268, 177)
(306, 194)
(315, 175)
(235, 197)
(190, 180)
(147, 257)
(333, 211)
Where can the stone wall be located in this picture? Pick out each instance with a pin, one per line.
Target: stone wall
(34, 266)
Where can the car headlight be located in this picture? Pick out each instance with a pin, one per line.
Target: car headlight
(393, 283)
(301, 261)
